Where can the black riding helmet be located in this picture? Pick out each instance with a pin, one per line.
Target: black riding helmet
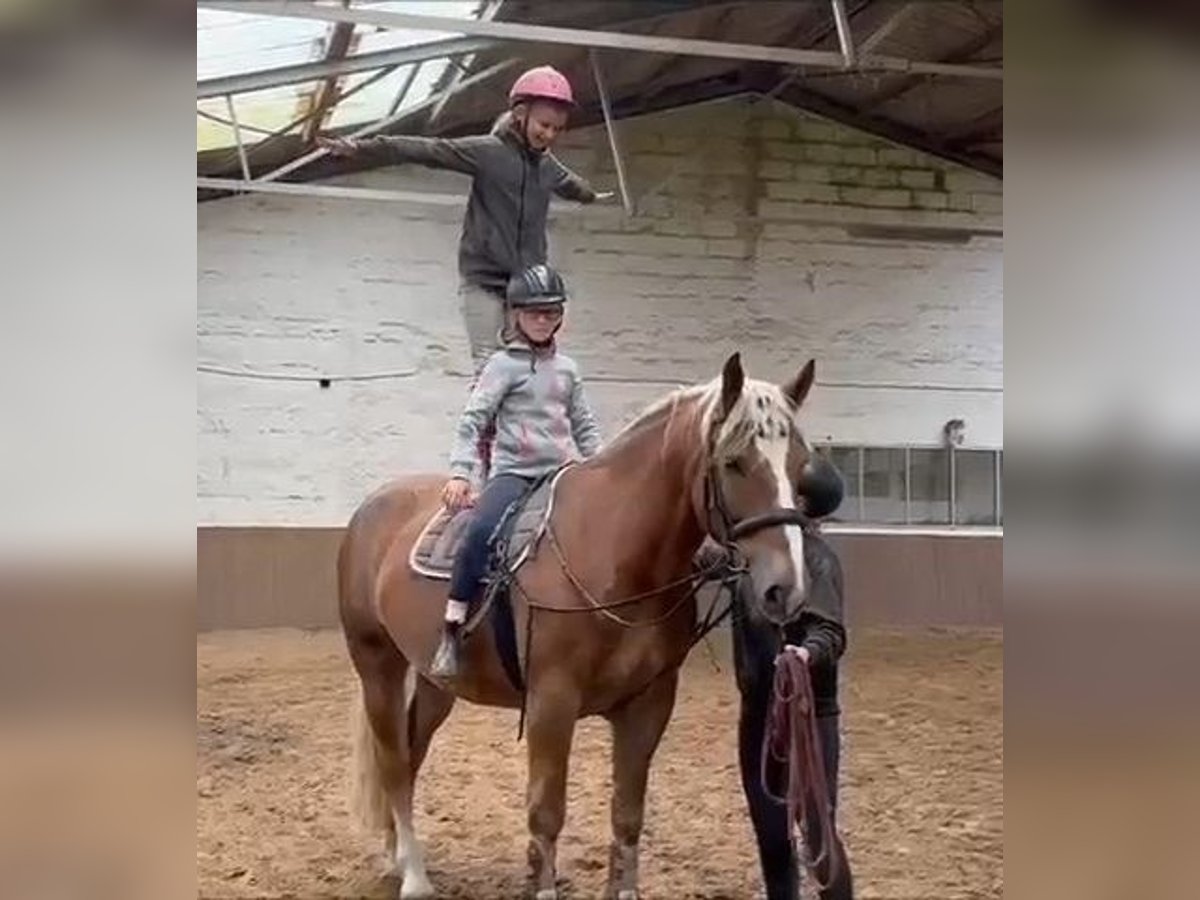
(821, 486)
(537, 285)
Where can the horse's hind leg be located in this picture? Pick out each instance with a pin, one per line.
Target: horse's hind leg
(637, 728)
(385, 761)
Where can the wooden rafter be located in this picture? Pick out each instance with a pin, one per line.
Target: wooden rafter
(325, 97)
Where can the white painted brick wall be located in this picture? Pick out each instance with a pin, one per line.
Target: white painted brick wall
(730, 253)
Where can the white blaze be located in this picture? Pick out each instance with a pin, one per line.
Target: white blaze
(775, 449)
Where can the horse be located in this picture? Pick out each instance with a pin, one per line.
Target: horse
(604, 622)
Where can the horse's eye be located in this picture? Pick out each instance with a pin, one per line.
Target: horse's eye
(735, 465)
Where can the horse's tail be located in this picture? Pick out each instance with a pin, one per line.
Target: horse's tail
(368, 798)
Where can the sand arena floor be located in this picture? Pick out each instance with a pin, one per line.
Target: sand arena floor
(922, 781)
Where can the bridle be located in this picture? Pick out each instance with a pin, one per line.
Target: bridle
(721, 526)
(727, 531)
(730, 530)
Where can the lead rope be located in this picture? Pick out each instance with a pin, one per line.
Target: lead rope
(791, 739)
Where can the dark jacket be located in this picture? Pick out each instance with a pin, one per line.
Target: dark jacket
(505, 226)
(822, 629)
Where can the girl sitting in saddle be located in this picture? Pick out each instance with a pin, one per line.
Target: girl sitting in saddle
(535, 397)
(513, 175)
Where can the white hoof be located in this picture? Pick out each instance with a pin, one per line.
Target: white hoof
(628, 894)
(547, 894)
(416, 888)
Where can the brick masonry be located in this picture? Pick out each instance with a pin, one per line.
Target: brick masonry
(746, 243)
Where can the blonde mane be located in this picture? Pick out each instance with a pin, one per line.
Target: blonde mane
(761, 411)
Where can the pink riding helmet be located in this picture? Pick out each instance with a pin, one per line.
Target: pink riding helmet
(542, 83)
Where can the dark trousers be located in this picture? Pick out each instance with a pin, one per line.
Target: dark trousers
(755, 646)
(471, 564)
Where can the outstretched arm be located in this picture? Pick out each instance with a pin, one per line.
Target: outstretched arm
(569, 185)
(455, 154)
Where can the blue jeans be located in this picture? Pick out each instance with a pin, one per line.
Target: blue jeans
(471, 564)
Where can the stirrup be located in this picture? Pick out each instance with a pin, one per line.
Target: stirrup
(445, 658)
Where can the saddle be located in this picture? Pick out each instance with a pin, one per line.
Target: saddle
(514, 542)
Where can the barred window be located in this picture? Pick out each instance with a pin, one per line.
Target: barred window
(919, 485)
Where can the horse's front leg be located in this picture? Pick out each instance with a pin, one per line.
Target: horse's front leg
(637, 726)
(551, 715)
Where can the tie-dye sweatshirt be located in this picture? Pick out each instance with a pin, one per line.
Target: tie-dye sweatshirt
(542, 417)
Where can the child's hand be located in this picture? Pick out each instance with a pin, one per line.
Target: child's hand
(457, 494)
(338, 146)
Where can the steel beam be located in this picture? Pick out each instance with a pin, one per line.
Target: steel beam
(326, 191)
(383, 123)
(598, 39)
(212, 117)
(816, 40)
(340, 192)
(272, 136)
(413, 71)
(325, 97)
(845, 218)
(965, 52)
(885, 29)
(606, 108)
(487, 12)
(313, 71)
(237, 137)
(845, 37)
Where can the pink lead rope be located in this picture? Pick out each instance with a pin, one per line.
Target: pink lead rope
(791, 739)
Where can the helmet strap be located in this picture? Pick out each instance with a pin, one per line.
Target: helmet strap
(520, 117)
(520, 111)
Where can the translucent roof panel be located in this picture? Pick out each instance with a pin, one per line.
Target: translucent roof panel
(372, 38)
(268, 110)
(375, 101)
(232, 43)
(229, 43)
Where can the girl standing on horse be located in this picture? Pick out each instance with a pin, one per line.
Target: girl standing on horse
(535, 397)
(513, 175)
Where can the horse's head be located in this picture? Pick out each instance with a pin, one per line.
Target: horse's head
(759, 464)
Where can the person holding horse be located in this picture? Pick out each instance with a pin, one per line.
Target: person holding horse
(542, 419)
(819, 636)
(513, 175)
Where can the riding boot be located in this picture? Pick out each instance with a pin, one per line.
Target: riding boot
(445, 658)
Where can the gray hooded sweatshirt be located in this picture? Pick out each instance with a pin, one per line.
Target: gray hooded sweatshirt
(504, 229)
(542, 417)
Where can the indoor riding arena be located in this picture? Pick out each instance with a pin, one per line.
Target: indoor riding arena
(789, 180)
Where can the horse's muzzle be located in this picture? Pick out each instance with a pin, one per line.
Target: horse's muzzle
(781, 605)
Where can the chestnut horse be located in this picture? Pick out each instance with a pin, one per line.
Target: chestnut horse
(605, 620)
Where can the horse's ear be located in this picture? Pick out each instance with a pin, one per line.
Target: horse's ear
(732, 380)
(797, 389)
